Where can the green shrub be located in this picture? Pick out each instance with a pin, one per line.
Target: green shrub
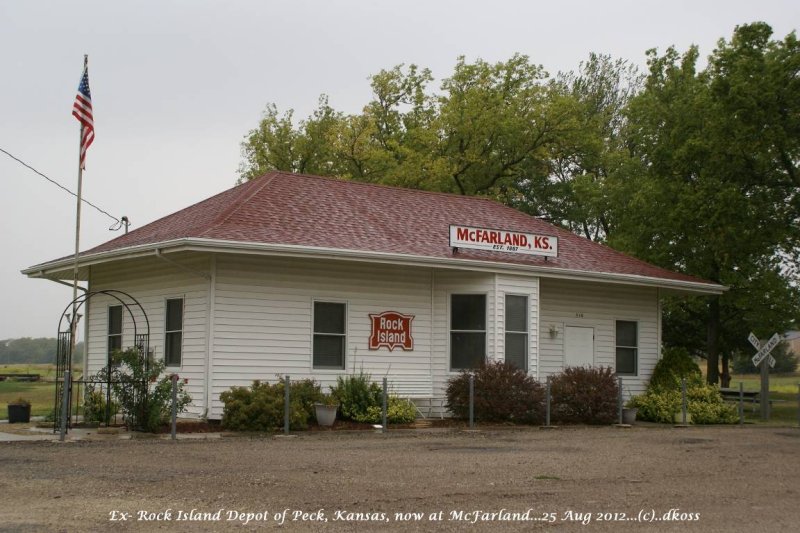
(503, 393)
(261, 406)
(398, 411)
(657, 405)
(706, 406)
(144, 400)
(356, 393)
(306, 392)
(94, 405)
(663, 399)
(703, 402)
(584, 395)
(675, 363)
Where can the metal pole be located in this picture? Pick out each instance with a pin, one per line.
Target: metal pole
(547, 409)
(741, 403)
(174, 406)
(383, 408)
(683, 399)
(798, 404)
(64, 404)
(74, 323)
(286, 406)
(765, 389)
(471, 401)
(619, 399)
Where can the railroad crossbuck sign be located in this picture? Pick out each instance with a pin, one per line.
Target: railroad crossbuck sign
(764, 351)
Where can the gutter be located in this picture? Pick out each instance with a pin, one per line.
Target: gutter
(70, 285)
(289, 250)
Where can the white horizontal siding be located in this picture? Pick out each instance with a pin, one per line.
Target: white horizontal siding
(597, 305)
(263, 321)
(152, 281)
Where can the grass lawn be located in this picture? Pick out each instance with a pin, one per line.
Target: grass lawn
(782, 387)
(41, 394)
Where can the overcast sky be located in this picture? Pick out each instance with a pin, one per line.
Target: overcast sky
(177, 84)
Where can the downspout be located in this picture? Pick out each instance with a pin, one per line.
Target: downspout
(166, 259)
(432, 340)
(538, 330)
(86, 325)
(495, 325)
(659, 325)
(210, 325)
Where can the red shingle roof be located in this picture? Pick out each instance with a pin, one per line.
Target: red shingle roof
(281, 208)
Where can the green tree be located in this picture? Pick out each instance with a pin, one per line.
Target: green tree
(33, 351)
(483, 133)
(717, 196)
(588, 161)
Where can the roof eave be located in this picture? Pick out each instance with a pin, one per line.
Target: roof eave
(52, 268)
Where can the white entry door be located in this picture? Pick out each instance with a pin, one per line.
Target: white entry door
(578, 346)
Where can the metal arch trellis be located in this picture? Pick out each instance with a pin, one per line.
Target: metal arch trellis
(64, 354)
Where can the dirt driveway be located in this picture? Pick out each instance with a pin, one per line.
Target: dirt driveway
(588, 479)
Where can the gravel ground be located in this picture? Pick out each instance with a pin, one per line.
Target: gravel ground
(695, 479)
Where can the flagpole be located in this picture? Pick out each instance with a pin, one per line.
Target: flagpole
(74, 322)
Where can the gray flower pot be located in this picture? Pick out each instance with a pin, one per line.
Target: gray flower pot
(326, 414)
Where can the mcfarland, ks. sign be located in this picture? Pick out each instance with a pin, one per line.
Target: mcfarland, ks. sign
(503, 241)
(391, 330)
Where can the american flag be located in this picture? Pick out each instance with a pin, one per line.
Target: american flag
(82, 110)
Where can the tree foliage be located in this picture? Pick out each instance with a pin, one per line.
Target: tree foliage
(33, 351)
(486, 130)
(717, 195)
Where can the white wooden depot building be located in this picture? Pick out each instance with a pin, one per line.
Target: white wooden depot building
(316, 277)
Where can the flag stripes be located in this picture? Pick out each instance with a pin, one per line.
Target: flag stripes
(82, 110)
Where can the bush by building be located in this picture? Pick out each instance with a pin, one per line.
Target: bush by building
(503, 393)
(674, 365)
(130, 373)
(582, 395)
(703, 402)
(260, 407)
(361, 400)
(663, 399)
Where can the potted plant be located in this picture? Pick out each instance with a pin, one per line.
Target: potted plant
(629, 415)
(19, 411)
(325, 410)
(629, 411)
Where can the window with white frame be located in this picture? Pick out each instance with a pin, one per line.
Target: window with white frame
(467, 330)
(114, 329)
(627, 347)
(173, 334)
(330, 326)
(517, 331)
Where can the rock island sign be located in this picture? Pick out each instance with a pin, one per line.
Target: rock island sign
(391, 329)
(503, 241)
